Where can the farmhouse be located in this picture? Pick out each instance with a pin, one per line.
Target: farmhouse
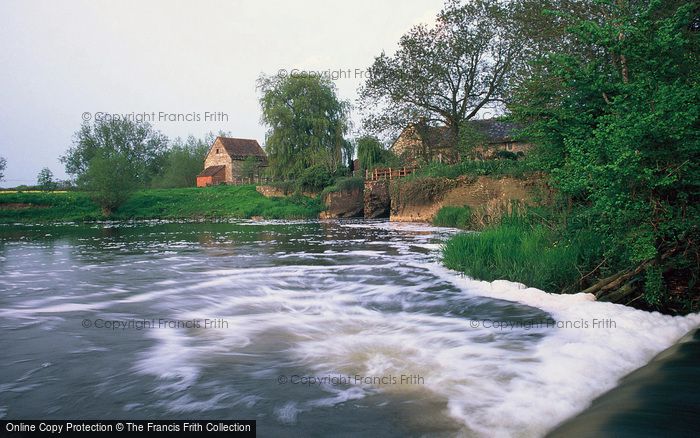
(225, 161)
(420, 141)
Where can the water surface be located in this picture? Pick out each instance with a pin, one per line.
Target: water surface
(307, 327)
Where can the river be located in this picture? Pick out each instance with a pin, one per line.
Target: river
(311, 328)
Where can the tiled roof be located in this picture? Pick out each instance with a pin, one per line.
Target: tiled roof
(241, 147)
(212, 170)
(493, 130)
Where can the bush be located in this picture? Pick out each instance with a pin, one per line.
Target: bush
(315, 179)
(109, 180)
(456, 217)
(506, 155)
(513, 168)
(345, 185)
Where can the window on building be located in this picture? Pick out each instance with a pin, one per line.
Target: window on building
(217, 151)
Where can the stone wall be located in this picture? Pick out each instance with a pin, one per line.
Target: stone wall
(344, 204)
(271, 191)
(217, 159)
(377, 201)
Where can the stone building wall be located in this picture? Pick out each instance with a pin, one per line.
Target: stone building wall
(221, 158)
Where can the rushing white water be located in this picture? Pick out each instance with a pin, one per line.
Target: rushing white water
(367, 300)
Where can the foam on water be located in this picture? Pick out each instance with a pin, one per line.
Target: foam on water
(520, 381)
(348, 310)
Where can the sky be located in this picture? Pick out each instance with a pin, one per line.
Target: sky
(193, 61)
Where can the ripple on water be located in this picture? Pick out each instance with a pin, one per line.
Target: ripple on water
(327, 300)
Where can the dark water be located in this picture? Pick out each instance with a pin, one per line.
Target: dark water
(312, 329)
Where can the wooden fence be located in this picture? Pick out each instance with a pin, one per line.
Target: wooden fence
(388, 173)
(254, 180)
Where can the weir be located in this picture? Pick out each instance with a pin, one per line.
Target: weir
(659, 399)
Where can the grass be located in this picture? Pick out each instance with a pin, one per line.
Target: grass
(455, 217)
(515, 168)
(210, 202)
(522, 251)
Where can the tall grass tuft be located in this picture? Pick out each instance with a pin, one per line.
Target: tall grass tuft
(456, 217)
(522, 251)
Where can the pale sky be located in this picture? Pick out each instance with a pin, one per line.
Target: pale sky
(61, 59)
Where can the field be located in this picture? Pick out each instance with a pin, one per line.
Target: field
(188, 203)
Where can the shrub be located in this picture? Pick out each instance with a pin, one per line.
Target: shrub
(315, 179)
(345, 185)
(513, 168)
(506, 155)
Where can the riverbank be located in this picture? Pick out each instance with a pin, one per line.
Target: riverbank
(187, 203)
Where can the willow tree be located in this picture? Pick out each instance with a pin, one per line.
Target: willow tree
(446, 73)
(306, 123)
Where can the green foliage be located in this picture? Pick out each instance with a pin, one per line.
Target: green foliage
(45, 180)
(3, 165)
(469, 138)
(349, 184)
(345, 184)
(455, 217)
(445, 73)
(306, 124)
(250, 167)
(314, 179)
(109, 180)
(516, 169)
(241, 201)
(616, 119)
(185, 203)
(182, 163)
(506, 155)
(137, 142)
(654, 286)
(522, 251)
(371, 152)
(47, 207)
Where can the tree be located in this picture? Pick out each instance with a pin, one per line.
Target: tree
(444, 74)
(109, 179)
(45, 180)
(137, 142)
(306, 124)
(249, 168)
(182, 162)
(3, 165)
(370, 151)
(348, 153)
(618, 115)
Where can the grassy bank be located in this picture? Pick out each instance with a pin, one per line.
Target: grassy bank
(472, 168)
(210, 202)
(519, 249)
